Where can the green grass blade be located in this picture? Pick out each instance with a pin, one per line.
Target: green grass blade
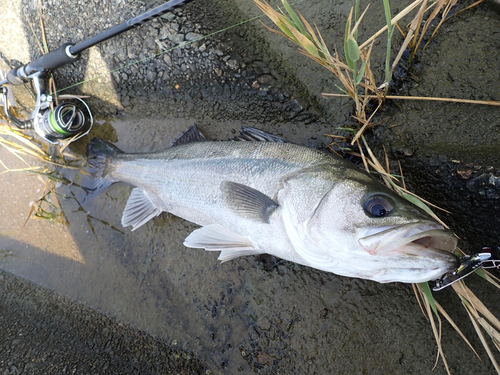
(390, 32)
(481, 273)
(388, 16)
(430, 297)
(347, 31)
(342, 89)
(352, 50)
(296, 20)
(361, 73)
(356, 17)
(284, 27)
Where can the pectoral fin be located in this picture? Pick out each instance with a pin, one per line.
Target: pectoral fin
(217, 238)
(248, 202)
(139, 209)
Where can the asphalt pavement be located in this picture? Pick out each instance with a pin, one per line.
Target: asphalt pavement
(42, 332)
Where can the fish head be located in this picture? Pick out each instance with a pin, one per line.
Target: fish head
(353, 225)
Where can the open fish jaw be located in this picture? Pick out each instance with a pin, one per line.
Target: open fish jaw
(428, 245)
(383, 240)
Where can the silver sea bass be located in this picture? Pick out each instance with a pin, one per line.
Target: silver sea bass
(294, 202)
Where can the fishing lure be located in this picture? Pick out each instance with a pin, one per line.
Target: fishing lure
(487, 259)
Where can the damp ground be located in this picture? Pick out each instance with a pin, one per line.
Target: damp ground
(143, 299)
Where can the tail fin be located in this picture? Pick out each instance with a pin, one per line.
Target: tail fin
(99, 155)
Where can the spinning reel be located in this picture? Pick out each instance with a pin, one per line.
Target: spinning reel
(70, 118)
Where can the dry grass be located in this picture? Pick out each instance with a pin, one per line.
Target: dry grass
(429, 98)
(42, 161)
(479, 314)
(356, 78)
(49, 165)
(355, 75)
(353, 72)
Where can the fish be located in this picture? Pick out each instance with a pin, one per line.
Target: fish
(259, 194)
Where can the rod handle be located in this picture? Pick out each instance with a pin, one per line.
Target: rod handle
(52, 60)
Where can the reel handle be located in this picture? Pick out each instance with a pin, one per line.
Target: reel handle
(39, 87)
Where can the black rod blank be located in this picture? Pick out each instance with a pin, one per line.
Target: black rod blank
(127, 25)
(68, 53)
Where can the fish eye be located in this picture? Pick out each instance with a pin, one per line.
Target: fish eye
(378, 206)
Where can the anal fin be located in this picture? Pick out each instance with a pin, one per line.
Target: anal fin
(139, 209)
(215, 237)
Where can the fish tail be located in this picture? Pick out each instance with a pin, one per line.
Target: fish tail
(99, 156)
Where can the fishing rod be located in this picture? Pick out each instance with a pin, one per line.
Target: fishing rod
(67, 119)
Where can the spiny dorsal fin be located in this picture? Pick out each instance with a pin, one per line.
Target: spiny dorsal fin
(215, 237)
(139, 209)
(193, 134)
(247, 134)
(250, 134)
(248, 202)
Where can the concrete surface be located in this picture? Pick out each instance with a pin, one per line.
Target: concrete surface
(236, 317)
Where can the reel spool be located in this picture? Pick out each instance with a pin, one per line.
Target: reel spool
(67, 120)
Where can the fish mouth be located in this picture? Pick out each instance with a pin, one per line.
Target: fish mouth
(421, 239)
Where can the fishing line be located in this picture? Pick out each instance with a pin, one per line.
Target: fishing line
(183, 44)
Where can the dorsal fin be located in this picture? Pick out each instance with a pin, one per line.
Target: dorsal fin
(247, 134)
(250, 134)
(193, 134)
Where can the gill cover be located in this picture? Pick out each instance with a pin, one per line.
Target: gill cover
(300, 216)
